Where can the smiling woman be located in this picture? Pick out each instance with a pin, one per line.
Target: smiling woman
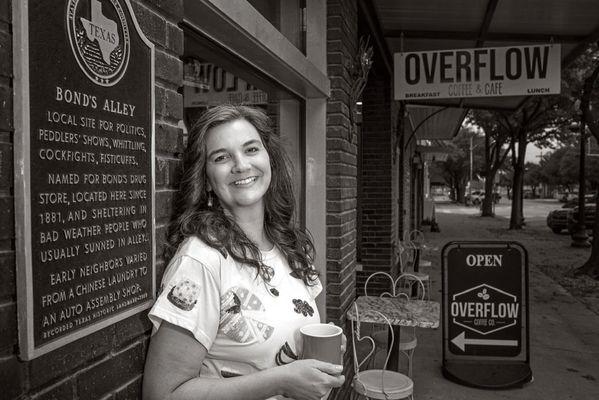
(241, 281)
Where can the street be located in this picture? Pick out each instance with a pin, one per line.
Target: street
(535, 210)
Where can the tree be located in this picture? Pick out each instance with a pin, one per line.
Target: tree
(505, 177)
(555, 170)
(537, 120)
(588, 106)
(560, 168)
(533, 176)
(455, 169)
(495, 153)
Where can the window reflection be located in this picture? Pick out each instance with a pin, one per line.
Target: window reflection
(206, 84)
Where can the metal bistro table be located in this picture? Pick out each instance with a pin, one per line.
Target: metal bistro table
(401, 312)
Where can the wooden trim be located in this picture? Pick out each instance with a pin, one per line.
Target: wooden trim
(246, 34)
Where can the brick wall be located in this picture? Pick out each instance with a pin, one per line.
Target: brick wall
(379, 175)
(109, 362)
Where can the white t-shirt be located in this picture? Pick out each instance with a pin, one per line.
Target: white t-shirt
(246, 325)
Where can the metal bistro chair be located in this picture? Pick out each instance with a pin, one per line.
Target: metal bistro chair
(415, 239)
(391, 282)
(406, 259)
(380, 335)
(377, 383)
(407, 338)
(400, 287)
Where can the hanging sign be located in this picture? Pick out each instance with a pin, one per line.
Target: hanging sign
(84, 144)
(485, 313)
(480, 72)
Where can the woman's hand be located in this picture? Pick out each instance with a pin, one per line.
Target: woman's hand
(311, 379)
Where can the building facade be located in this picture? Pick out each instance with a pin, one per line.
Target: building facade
(357, 178)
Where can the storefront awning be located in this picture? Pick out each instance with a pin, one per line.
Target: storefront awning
(416, 25)
(435, 123)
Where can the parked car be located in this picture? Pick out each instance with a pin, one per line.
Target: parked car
(567, 196)
(478, 196)
(589, 217)
(588, 198)
(557, 220)
(562, 218)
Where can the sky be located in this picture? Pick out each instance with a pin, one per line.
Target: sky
(533, 153)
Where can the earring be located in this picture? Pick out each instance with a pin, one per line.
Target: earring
(209, 199)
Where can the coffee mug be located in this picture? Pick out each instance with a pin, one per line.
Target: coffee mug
(322, 342)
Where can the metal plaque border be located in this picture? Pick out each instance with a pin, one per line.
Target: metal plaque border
(22, 171)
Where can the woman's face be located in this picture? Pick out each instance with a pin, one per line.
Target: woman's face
(237, 166)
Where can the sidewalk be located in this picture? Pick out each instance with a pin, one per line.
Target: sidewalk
(564, 333)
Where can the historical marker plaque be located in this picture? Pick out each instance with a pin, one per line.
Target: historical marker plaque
(84, 169)
(485, 313)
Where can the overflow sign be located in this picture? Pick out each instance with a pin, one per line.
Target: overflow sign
(480, 72)
(485, 313)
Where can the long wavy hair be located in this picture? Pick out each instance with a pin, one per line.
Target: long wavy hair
(195, 217)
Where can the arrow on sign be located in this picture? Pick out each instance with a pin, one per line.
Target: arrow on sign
(461, 342)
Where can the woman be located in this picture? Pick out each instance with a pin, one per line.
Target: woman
(241, 282)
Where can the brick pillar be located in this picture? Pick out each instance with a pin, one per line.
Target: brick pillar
(342, 173)
(380, 175)
(341, 160)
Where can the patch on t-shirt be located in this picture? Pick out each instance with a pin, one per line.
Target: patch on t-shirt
(234, 324)
(184, 295)
(285, 355)
(302, 307)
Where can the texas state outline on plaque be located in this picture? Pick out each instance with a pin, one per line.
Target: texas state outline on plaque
(101, 29)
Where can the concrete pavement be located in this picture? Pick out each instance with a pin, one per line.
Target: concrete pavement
(564, 333)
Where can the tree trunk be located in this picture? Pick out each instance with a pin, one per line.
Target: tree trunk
(456, 191)
(487, 207)
(516, 216)
(591, 266)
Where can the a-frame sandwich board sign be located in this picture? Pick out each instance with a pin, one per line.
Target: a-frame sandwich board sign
(485, 314)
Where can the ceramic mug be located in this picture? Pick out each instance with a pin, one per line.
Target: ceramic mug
(322, 342)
